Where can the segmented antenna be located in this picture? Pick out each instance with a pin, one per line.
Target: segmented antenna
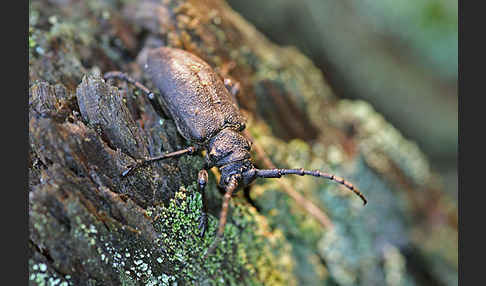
(277, 173)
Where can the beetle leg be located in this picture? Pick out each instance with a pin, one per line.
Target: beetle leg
(232, 86)
(203, 219)
(189, 150)
(232, 185)
(150, 95)
(127, 78)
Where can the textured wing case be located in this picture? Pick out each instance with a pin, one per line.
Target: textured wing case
(193, 94)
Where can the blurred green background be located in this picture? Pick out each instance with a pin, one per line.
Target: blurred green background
(400, 56)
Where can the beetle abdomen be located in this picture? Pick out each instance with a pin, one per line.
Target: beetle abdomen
(193, 94)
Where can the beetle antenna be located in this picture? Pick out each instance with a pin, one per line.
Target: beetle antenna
(232, 185)
(277, 173)
(302, 201)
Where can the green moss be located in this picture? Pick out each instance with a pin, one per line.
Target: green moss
(248, 251)
(341, 247)
(379, 140)
(348, 249)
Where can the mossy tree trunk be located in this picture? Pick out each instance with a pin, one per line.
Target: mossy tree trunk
(90, 226)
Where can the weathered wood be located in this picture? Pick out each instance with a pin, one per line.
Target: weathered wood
(90, 226)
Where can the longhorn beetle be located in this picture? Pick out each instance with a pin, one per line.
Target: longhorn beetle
(206, 115)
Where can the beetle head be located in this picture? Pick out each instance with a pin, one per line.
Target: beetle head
(230, 152)
(226, 147)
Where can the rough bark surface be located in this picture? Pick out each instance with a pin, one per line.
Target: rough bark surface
(90, 226)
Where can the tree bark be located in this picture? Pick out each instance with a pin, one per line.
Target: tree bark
(90, 226)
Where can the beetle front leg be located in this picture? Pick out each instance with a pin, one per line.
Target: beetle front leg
(203, 219)
(230, 188)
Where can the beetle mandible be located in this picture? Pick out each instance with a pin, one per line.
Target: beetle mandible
(206, 114)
